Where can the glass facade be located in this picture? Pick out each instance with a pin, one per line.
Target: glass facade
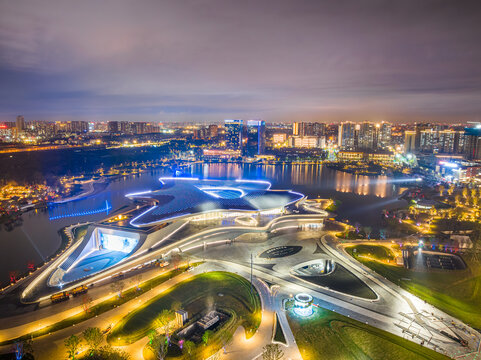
(233, 134)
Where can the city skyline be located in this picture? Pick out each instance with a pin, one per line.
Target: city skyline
(279, 61)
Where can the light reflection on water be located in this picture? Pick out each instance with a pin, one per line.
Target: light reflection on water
(303, 175)
(362, 199)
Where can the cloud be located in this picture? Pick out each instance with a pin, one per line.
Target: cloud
(206, 59)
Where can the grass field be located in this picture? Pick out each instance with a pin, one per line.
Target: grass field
(376, 252)
(278, 333)
(104, 306)
(226, 291)
(328, 335)
(456, 292)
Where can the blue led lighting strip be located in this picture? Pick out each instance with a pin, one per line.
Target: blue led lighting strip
(84, 213)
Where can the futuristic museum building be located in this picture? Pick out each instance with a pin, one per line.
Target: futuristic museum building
(204, 199)
(190, 199)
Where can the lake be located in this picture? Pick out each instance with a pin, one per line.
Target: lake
(362, 200)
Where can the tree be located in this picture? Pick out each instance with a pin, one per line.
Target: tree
(107, 352)
(367, 230)
(73, 345)
(21, 348)
(272, 352)
(451, 189)
(206, 336)
(176, 259)
(93, 337)
(137, 280)
(164, 319)
(176, 305)
(441, 190)
(86, 302)
(158, 343)
(457, 199)
(474, 192)
(188, 348)
(465, 192)
(117, 286)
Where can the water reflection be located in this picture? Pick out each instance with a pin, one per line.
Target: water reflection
(316, 176)
(362, 200)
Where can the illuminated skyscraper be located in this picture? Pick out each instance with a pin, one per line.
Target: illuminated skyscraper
(367, 136)
(385, 135)
(295, 129)
(472, 144)
(233, 134)
(347, 137)
(409, 141)
(256, 137)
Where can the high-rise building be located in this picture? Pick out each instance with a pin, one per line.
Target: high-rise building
(139, 127)
(201, 133)
(213, 131)
(428, 139)
(318, 129)
(367, 136)
(113, 127)
(332, 131)
(409, 141)
(347, 136)
(256, 137)
(451, 141)
(233, 134)
(77, 126)
(125, 127)
(385, 135)
(20, 124)
(472, 144)
(151, 128)
(308, 129)
(295, 129)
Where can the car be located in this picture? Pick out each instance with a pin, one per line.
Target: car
(107, 329)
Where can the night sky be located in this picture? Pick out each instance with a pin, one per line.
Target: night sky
(208, 60)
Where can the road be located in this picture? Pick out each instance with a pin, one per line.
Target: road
(223, 250)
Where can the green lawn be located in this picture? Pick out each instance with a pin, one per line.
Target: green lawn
(226, 291)
(378, 252)
(278, 333)
(328, 335)
(104, 306)
(456, 292)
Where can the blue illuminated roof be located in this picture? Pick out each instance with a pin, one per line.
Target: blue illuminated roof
(180, 197)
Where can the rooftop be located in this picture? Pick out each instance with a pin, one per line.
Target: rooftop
(181, 197)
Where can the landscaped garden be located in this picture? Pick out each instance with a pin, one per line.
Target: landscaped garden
(222, 291)
(456, 292)
(374, 252)
(328, 335)
(104, 306)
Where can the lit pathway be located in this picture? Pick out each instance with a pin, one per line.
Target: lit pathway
(243, 348)
(384, 313)
(51, 346)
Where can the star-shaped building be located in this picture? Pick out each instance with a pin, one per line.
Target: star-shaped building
(187, 197)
